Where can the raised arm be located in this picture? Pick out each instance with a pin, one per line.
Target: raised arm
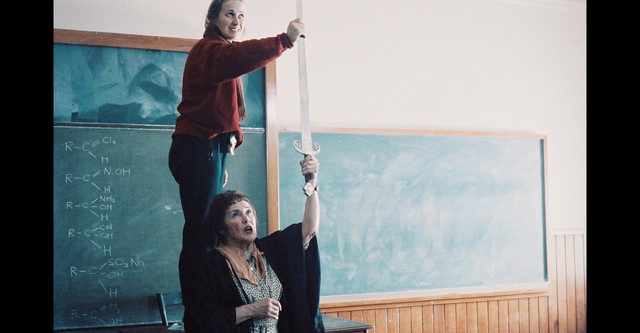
(311, 218)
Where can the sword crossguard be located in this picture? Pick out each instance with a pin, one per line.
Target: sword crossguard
(297, 145)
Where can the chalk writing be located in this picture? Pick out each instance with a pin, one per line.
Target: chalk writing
(95, 183)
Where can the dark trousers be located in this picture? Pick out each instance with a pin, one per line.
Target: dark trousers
(198, 167)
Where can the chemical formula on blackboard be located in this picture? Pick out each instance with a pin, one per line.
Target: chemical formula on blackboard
(89, 216)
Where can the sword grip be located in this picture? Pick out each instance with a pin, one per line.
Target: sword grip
(308, 187)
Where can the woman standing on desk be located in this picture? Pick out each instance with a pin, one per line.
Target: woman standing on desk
(212, 107)
(255, 285)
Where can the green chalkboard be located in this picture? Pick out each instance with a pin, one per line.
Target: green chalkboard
(118, 221)
(116, 85)
(423, 212)
(117, 218)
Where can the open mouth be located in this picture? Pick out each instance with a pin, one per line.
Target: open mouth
(248, 229)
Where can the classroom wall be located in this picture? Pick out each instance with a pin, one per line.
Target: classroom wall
(469, 65)
(488, 65)
(476, 65)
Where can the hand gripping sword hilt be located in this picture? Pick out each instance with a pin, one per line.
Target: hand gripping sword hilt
(308, 188)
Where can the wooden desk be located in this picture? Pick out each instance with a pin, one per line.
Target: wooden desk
(339, 325)
(331, 325)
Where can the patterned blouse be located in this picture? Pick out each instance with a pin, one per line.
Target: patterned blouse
(269, 287)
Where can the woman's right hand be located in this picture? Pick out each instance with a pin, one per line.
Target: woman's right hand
(267, 308)
(295, 29)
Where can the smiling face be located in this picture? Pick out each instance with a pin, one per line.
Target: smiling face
(240, 220)
(231, 19)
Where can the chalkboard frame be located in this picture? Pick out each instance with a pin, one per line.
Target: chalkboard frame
(517, 289)
(94, 38)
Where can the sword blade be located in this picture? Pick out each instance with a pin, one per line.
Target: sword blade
(304, 97)
(306, 147)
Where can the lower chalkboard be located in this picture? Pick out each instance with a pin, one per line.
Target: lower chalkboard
(117, 221)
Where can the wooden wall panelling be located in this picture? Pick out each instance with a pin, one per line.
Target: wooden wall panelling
(543, 312)
(581, 284)
(460, 317)
(438, 318)
(560, 318)
(483, 317)
(356, 315)
(523, 315)
(369, 317)
(393, 320)
(416, 319)
(534, 318)
(380, 325)
(404, 316)
(552, 314)
(427, 319)
(494, 324)
(471, 322)
(561, 310)
(571, 282)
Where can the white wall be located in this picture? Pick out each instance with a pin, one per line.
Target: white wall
(477, 65)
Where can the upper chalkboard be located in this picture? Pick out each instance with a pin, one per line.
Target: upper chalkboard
(115, 85)
(423, 212)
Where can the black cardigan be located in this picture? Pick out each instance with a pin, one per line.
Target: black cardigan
(210, 296)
